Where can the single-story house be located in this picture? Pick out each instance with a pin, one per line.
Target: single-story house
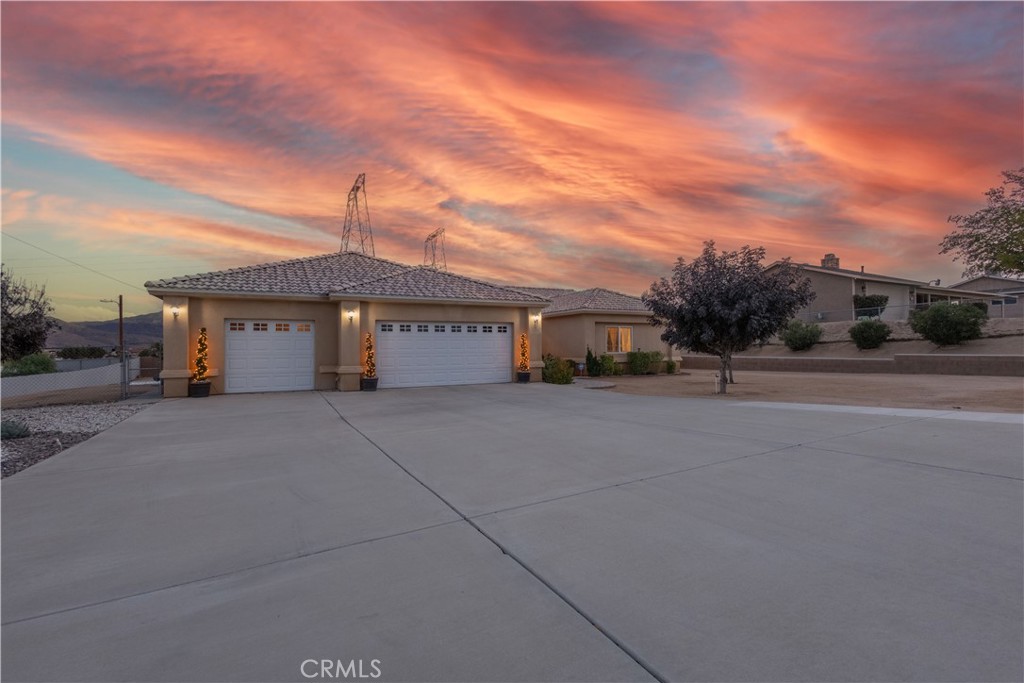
(835, 288)
(302, 324)
(1010, 291)
(603, 320)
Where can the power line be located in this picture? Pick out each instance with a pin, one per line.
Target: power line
(46, 251)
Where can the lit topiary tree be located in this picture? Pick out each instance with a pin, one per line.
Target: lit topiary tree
(202, 357)
(524, 353)
(371, 363)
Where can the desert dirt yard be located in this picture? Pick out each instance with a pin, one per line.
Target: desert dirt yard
(940, 392)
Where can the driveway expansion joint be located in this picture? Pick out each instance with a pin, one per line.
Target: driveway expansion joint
(626, 649)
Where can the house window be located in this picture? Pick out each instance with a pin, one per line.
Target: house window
(259, 327)
(423, 328)
(387, 327)
(620, 339)
(303, 327)
(438, 328)
(405, 328)
(236, 327)
(1010, 301)
(282, 327)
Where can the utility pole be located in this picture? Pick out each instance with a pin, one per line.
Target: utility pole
(357, 215)
(430, 250)
(120, 343)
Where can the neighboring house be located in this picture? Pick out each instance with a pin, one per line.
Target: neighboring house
(301, 324)
(603, 320)
(1010, 291)
(835, 288)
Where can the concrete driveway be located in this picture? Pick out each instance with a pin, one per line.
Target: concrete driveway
(511, 532)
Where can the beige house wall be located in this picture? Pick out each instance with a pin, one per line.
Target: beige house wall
(899, 305)
(339, 338)
(569, 336)
(834, 300)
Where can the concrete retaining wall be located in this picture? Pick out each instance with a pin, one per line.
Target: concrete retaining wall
(901, 363)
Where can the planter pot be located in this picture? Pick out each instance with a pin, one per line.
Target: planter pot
(522, 377)
(199, 389)
(368, 383)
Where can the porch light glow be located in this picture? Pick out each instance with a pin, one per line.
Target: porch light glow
(175, 311)
(351, 314)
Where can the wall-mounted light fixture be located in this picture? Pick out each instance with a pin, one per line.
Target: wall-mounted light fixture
(351, 314)
(175, 311)
(536, 319)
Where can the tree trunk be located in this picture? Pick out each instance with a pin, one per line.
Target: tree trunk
(723, 373)
(731, 380)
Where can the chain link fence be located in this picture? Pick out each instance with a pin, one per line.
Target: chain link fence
(110, 381)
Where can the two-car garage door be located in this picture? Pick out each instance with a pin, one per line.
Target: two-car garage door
(417, 354)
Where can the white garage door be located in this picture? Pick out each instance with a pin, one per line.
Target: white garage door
(432, 354)
(268, 355)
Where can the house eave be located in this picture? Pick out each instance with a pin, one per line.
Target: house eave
(344, 296)
(228, 294)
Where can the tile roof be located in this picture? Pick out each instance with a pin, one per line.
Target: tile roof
(338, 274)
(546, 292)
(422, 282)
(596, 299)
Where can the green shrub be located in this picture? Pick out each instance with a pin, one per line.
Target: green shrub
(870, 304)
(593, 364)
(13, 429)
(800, 336)
(643, 362)
(608, 365)
(670, 367)
(35, 364)
(557, 370)
(946, 324)
(869, 334)
(77, 352)
(980, 305)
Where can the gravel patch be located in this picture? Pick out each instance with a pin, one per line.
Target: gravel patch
(56, 428)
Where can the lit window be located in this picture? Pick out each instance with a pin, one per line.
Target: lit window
(236, 327)
(303, 327)
(259, 327)
(405, 328)
(282, 327)
(620, 339)
(423, 328)
(387, 327)
(456, 328)
(438, 328)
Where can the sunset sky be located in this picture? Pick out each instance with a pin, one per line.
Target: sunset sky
(561, 144)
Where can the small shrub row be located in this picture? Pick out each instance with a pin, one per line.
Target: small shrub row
(79, 352)
(870, 304)
(34, 364)
(643, 362)
(869, 334)
(557, 370)
(800, 336)
(946, 324)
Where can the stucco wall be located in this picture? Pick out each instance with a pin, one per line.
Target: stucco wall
(569, 336)
(898, 307)
(834, 300)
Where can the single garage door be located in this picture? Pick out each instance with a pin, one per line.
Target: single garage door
(414, 354)
(268, 355)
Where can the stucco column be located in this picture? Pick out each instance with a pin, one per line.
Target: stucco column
(176, 369)
(534, 323)
(350, 365)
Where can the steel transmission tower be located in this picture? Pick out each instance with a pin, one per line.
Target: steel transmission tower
(357, 214)
(430, 250)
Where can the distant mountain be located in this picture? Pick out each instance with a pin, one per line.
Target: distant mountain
(139, 332)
